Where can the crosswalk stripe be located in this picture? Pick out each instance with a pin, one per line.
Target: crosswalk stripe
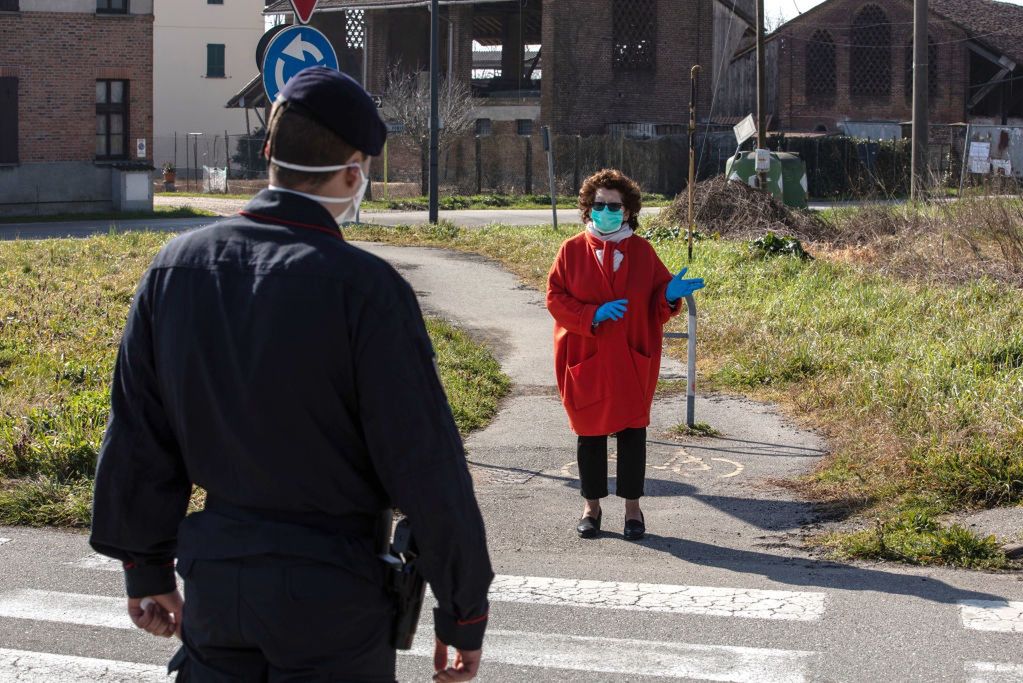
(65, 608)
(695, 600)
(97, 561)
(992, 615)
(993, 672)
(42, 667)
(638, 657)
(649, 597)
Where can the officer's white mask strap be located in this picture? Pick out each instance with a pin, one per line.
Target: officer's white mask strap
(357, 197)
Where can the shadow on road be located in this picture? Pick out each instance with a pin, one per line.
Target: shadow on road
(743, 447)
(773, 515)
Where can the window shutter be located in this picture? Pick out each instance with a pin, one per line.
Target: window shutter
(8, 120)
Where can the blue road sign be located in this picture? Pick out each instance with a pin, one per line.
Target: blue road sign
(295, 48)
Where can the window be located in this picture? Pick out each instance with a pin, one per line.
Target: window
(484, 127)
(111, 6)
(111, 119)
(355, 29)
(8, 5)
(820, 66)
(871, 53)
(524, 126)
(214, 61)
(634, 28)
(932, 71)
(8, 120)
(214, 2)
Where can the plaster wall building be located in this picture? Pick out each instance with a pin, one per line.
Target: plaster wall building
(204, 52)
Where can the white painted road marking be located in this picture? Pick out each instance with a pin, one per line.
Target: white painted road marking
(650, 597)
(992, 615)
(29, 667)
(993, 672)
(638, 657)
(97, 561)
(65, 608)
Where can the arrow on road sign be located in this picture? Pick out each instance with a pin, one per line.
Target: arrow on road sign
(299, 47)
(304, 9)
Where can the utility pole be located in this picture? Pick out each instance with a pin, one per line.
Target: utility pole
(434, 110)
(692, 153)
(761, 93)
(920, 86)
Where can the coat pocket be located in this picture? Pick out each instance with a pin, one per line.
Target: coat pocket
(585, 384)
(641, 362)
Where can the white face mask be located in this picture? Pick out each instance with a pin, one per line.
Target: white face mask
(348, 214)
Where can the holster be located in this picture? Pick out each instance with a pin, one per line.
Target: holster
(404, 581)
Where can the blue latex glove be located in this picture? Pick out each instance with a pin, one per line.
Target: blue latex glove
(612, 310)
(679, 288)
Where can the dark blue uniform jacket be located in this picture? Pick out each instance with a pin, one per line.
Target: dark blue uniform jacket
(290, 375)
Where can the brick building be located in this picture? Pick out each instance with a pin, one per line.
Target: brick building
(76, 105)
(846, 66)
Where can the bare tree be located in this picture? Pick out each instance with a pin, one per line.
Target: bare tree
(407, 100)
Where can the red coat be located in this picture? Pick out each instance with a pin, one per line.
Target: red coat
(607, 376)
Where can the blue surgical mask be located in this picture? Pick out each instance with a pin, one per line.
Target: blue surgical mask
(607, 221)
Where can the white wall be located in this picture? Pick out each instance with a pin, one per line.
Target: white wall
(184, 99)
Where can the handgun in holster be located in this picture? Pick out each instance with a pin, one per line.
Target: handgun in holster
(405, 583)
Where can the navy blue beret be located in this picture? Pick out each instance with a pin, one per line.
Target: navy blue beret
(337, 101)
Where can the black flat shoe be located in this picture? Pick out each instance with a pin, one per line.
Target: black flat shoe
(589, 527)
(635, 528)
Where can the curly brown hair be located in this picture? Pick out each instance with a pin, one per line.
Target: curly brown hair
(611, 179)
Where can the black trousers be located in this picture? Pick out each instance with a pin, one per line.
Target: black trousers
(283, 620)
(592, 459)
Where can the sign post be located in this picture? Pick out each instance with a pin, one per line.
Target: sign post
(545, 134)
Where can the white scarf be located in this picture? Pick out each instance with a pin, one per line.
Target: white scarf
(620, 235)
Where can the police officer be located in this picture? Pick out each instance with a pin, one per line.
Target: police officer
(289, 375)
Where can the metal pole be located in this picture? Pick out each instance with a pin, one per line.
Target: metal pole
(692, 153)
(434, 110)
(386, 193)
(548, 144)
(188, 181)
(691, 360)
(761, 91)
(919, 167)
(966, 159)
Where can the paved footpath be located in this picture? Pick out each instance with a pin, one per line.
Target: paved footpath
(719, 590)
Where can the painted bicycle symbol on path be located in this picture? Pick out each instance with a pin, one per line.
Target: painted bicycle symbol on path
(681, 463)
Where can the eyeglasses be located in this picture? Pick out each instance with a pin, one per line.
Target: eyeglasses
(613, 206)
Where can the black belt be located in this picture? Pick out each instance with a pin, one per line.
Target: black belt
(349, 525)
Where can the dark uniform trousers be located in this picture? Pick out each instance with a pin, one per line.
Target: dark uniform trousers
(276, 597)
(272, 619)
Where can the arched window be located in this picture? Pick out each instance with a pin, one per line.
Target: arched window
(820, 66)
(932, 71)
(870, 58)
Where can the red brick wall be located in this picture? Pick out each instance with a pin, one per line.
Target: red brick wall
(581, 91)
(797, 112)
(57, 58)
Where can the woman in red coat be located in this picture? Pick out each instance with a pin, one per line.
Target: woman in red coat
(610, 296)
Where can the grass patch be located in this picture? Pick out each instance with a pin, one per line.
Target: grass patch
(918, 383)
(157, 212)
(205, 195)
(63, 304)
(698, 430)
(491, 201)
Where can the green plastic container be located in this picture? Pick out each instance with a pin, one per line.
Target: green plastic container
(786, 180)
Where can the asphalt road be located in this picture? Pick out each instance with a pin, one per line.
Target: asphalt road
(720, 589)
